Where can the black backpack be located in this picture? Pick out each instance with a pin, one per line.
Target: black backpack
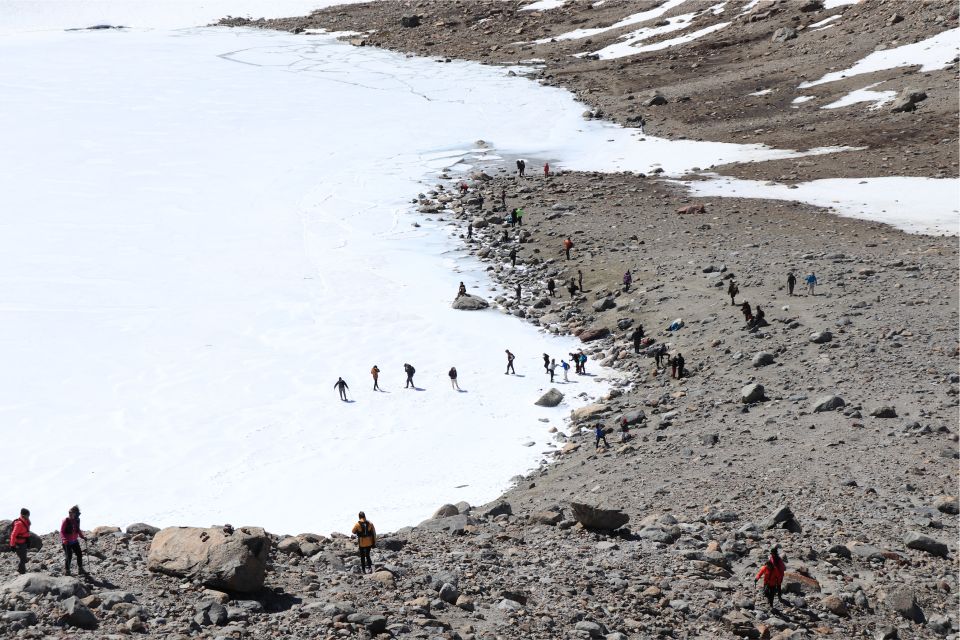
(364, 528)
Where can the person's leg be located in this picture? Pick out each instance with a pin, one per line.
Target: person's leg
(79, 553)
(22, 558)
(67, 555)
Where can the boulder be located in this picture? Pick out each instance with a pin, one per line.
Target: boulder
(410, 21)
(145, 529)
(605, 304)
(76, 614)
(884, 412)
(455, 525)
(783, 34)
(907, 100)
(588, 411)
(655, 99)
(445, 511)
(781, 516)
(902, 600)
(229, 559)
(828, 403)
(762, 359)
(551, 518)
(752, 393)
(501, 508)
(470, 303)
(597, 518)
(449, 593)
(550, 399)
(39, 584)
(947, 504)
(835, 605)
(916, 540)
(107, 530)
(820, 337)
(632, 417)
(799, 583)
(25, 618)
(589, 335)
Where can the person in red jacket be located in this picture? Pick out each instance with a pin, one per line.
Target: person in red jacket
(772, 573)
(70, 535)
(20, 538)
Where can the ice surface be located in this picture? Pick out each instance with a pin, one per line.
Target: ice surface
(878, 98)
(684, 39)
(933, 53)
(917, 205)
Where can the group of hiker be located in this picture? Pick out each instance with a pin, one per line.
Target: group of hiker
(578, 358)
(70, 537)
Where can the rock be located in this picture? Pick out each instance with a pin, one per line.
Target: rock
(499, 509)
(605, 304)
(110, 599)
(783, 34)
(597, 518)
(902, 600)
(811, 5)
(550, 399)
(25, 618)
(449, 593)
(465, 603)
(588, 411)
(827, 403)
(99, 532)
(820, 337)
(894, 19)
(145, 529)
(884, 412)
(470, 303)
(762, 359)
(385, 578)
(947, 504)
(231, 560)
(594, 334)
(940, 624)
(77, 615)
(907, 100)
(551, 518)
(592, 629)
(210, 613)
(410, 21)
(781, 516)
(40, 584)
(709, 439)
(800, 584)
(752, 393)
(655, 99)
(289, 545)
(836, 606)
(632, 417)
(445, 511)
(916, 540)
(375, 624)
(455, 525)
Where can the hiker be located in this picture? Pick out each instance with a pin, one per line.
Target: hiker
(627, 280)
(453, 378)
(480, 198)
(519, 293)
(463, 188)
(680, 363)
(673, 367)
(552, 369)
(546, 169)
(520, 213)
(462, 291)
(409, 370)
(506, 236)
(580, 279)
(513, 256)
(521, 167)
(469, 231)
(811, 283)
(566, 370)
(747, 314)
(552, 288)
(510, 359)
(366, 540)
(643, 123)
(583, 362)
(660, 354)
(572, 288)
(732, 291)
(772, 573)
(601, 435)
(503, 198)
(637, 338)
(513, 217)
(624, 430)
(758, 316)
(567, 245)
(576, 362)
(546, 363)
(20, 539)
(791, 282)
(70, 535)
(375, 372)
(341, 386)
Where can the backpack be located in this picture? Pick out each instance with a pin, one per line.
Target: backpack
(68, 526)
(364, 528)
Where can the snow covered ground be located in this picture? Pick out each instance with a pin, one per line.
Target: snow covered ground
(202, 228)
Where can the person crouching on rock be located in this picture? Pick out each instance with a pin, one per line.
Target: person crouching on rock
(70, 535)
(20, 539)
(772, 573)
(462, 291)
(366, 539)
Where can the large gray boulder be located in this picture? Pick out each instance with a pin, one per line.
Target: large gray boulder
(39, 584)
(470, 303)
(907, 100)
(550, 399)
(228, 559)
(145, 529)
(598, 518)
(76, 614)
(762, 359)
(916, 540)
(828, 403)
(455, 525)
(903, 601)
(820, 337)
(783, 34)
(752, 393)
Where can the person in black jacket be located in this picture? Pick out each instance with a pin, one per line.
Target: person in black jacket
(341, 386)
(409, 370)
(637, 338)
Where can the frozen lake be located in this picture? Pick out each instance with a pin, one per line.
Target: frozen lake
(203, 228)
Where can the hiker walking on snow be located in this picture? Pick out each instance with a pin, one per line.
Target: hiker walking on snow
(552, 369)
(20, 539)
(811, 283)
(637, 338)
(70, 536)
(453, 378)
(366, 540)
(409, 370)
(643, 123)
(566, 369)
(732, 291)
(772, 573)
(627, 280)
(510, 359)
(375, 372)
(546, 363)
(341, 386)
(791, 282)
(601, 435)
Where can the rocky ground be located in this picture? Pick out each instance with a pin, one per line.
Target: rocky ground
(845, 455)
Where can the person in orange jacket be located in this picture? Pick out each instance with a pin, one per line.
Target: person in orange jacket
(567, 245)
(366, 539)
(772, 573)
(70, 536)
(20, 538)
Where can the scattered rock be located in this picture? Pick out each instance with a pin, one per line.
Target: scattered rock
(77, 615)
(550, 399)
(232, 560)
(752, 393)
(762, 359)
(904, 602)
(828, 403)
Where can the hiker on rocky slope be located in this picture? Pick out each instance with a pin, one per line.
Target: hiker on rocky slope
(627, 281)
(732, 291)
(772, 573)
(20, 539)
(791, 282)
(637, 338)
(811, 283)
(567, 246)
(366, 540)
(70, 536)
